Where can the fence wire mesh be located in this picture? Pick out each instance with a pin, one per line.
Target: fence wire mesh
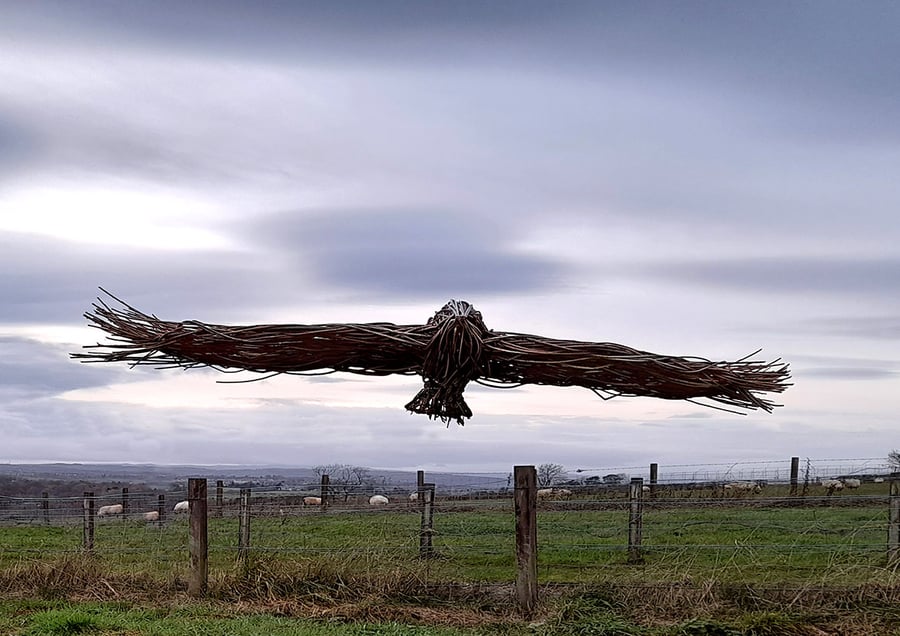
(753, 530)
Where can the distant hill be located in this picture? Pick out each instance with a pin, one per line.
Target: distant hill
(158, 476)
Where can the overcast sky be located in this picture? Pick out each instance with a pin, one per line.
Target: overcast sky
(692, 178)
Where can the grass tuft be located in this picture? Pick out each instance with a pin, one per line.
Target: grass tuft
(64, 622)
(75, 575)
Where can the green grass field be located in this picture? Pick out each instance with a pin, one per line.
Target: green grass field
(731, 558)
(758, 544)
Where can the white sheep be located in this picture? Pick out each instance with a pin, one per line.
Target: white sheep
(114, 509)
(832, 485)
(182, 506)
(414, 496)
(378, 500)
(554, 493)
(879, 480)
(645, 488)
(852, 483)
(151, 516)
(744, 486)
(312, 501)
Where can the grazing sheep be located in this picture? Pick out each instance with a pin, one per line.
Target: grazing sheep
(744, 487)
(378, 500)
(852, 483)
(115, 509)
(832, 485)
(312, 501)
(554, 493)
(414, 496)
(878, 480)
(151, 516)
(182, 506)
(645, 488)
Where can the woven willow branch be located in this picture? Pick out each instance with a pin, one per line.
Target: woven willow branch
(452, 349)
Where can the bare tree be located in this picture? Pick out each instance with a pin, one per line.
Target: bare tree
(344, 479)
(549, 474)
(893, 460)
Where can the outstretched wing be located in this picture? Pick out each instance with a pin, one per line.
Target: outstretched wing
(141, 339)
(611, 369)
(452, 349)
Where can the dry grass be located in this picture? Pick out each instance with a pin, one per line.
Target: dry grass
(80, 576)
(333, 592)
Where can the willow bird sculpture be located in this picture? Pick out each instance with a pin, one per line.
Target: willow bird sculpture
(452, 349)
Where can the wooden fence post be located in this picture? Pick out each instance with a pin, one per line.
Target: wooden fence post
(87, 536)
(244, 526)
(198, 543)
(636, 520)
(161, 510)
(795, 475)
(220, 496)
(426, 531)
(893, 553)
(420, 488)
(125, 503)
(323, 494)
(654, 478)
(526, 537)
(45, 506)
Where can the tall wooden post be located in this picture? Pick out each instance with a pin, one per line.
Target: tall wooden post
(220, 496)
(125, 503)
(323, 493)
(525, 478)
(244, 526)
(199, 538)
(45, 506)
(893, 552)
(654, 478)
(795, 475)
(420, 488)
(87, 536)
(426, 531)
(636, 520)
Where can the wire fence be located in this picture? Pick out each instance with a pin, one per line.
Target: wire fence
(754, 531)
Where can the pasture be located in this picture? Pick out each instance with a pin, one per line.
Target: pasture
(704, 553)
(711, 559)
(750, 544)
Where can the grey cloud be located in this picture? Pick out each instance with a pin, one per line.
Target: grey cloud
(872, 277)
(832, 58)
(846, 373)
(654, 111)
(844, 361)
(690, 416)
(100, 134)
(870, 327)
(304, 435)
(51, 281)
(409, 253)
(843, 368)
(37, 369)
(18, 145)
